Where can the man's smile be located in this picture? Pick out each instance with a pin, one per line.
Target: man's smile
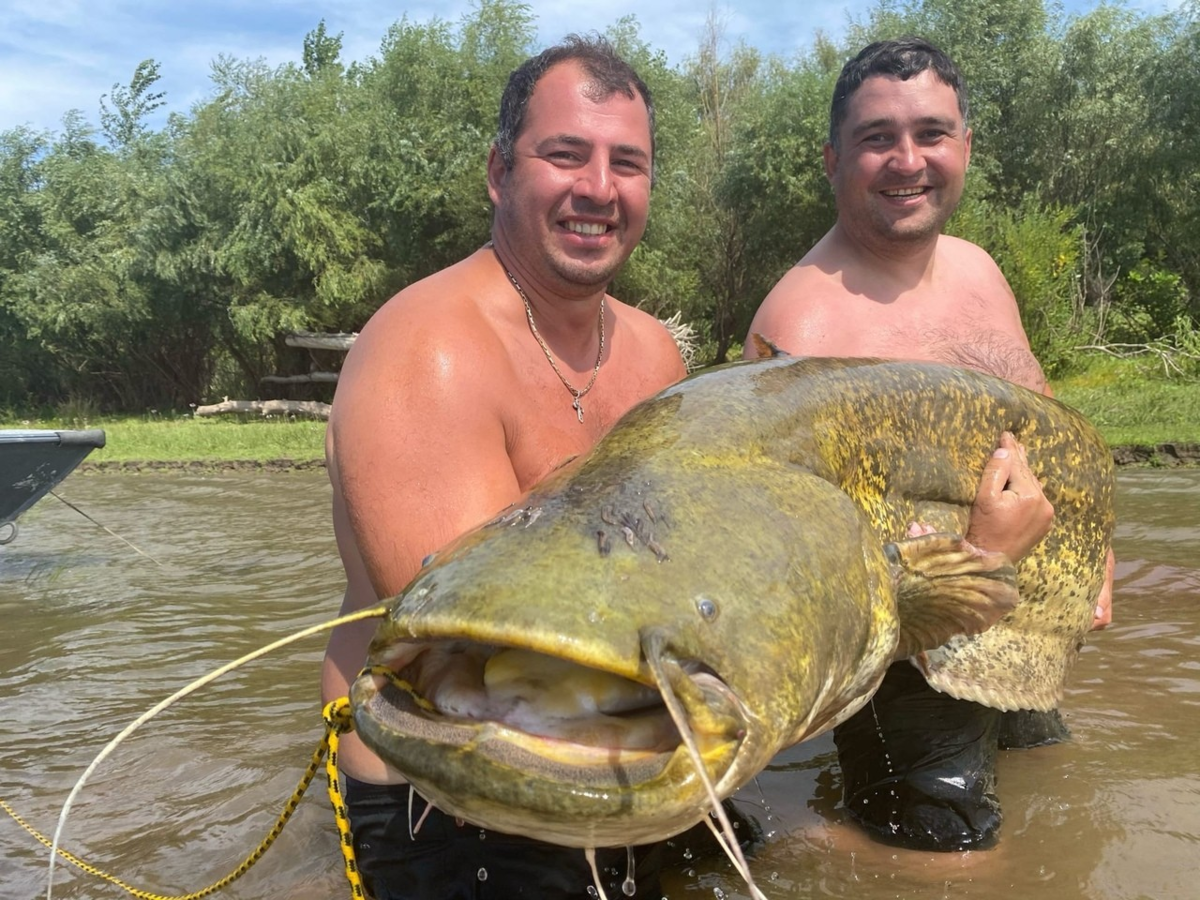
(586, 228)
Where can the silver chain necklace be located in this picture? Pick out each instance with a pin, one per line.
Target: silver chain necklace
(576, 393)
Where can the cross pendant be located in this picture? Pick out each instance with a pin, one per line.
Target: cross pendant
(578, 407)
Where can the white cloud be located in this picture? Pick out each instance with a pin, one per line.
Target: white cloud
(57, 55)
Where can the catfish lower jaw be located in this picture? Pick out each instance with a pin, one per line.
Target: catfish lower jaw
(462, 687)
(501, 737)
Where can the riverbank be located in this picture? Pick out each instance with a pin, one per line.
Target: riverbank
(1166, 455)
(1148, 419)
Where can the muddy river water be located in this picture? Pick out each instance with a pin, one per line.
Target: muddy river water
(92, 634)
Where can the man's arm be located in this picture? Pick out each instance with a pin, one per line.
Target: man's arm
(417, 456)
(417, 439)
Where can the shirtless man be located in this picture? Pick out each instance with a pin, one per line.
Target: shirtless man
(884, 281)
(467, 388)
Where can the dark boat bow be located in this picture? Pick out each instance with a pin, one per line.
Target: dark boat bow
(32, 463)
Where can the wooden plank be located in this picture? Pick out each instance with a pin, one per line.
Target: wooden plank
(316, 341)
(310, 378)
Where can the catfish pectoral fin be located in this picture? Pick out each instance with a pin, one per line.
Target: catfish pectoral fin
(947, 586)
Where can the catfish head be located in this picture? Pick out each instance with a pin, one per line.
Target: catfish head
(643, 633)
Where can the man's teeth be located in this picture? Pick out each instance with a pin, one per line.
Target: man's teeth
(590, 228)
(905, 192)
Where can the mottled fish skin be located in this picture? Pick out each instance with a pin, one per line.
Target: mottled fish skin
(926, 432)
(741, 519)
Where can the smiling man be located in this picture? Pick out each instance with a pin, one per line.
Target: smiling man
(466, 389)
(884, 281)
(918, 767)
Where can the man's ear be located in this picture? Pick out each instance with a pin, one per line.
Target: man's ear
(967, 146)
(496, 170)
(831, 160)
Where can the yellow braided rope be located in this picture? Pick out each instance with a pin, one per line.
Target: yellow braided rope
(398, 682)
(337, 720)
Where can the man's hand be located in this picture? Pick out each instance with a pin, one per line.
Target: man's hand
(1010, 513)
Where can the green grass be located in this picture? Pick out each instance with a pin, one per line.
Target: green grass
(183, 438)
(1129, 401)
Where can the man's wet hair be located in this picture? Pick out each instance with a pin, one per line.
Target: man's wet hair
(901, 58)
(607, 72)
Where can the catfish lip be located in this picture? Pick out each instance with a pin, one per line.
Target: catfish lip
(563, 706)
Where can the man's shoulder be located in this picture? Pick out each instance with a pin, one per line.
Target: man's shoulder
(801, 304)
(971, 271)
(642, 325)
(433, 330)
(446, 302)
(964, 252)
(806, 288)
(648, 338)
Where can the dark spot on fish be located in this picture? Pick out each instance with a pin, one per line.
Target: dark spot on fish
(707, 608)
(630, 538)
(638, 526)
(603, 542)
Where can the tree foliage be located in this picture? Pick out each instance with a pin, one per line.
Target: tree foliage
(144, 267)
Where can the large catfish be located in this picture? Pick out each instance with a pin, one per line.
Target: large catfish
(729, 569)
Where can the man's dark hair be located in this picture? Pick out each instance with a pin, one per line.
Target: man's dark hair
(608, 73)
(902, 58)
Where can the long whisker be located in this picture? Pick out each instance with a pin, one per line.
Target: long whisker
(373, 612)
(739, 862)
(590, 855)
(652, 651)
(413, 829)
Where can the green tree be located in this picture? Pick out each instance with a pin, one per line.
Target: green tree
(125, 121)
(1171, 171)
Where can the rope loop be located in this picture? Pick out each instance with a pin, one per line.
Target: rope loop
(338, 721)
(337, 716)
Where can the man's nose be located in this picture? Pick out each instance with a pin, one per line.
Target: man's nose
(906, 156)
(595, 181)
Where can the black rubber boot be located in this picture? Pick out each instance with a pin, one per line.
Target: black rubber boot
(1026, 728)
(919, 767)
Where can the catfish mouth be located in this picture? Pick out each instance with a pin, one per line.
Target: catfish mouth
(551, 718)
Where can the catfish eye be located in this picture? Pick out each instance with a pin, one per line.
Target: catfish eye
(707, 608)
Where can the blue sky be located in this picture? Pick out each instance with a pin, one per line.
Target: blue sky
(57, 55)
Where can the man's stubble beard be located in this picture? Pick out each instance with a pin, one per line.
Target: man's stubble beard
(584, 276)
(881, 230)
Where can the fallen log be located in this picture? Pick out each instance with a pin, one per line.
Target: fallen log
(312, 408)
